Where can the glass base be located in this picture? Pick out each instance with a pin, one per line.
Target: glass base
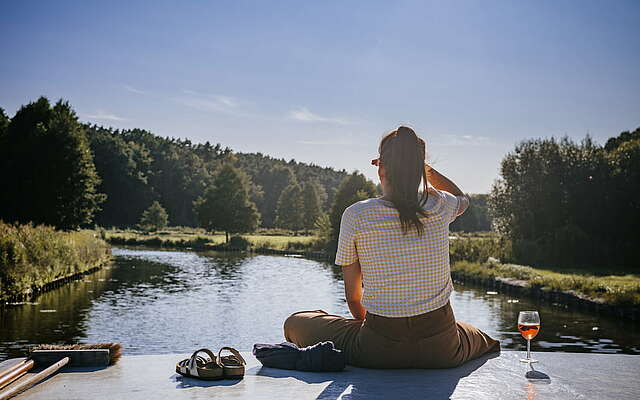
(528, 360)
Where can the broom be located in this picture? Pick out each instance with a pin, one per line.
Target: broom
(78, 355)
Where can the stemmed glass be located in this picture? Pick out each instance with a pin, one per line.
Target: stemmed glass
(528, 325)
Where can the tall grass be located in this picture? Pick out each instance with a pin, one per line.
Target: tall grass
(33, 256)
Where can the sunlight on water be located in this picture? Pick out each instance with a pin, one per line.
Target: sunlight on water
(173, 302)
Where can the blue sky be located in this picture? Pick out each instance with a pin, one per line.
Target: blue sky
(321, 82)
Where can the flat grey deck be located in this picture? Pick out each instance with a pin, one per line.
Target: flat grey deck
(557, 376)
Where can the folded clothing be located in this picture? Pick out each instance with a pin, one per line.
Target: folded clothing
(320, 357)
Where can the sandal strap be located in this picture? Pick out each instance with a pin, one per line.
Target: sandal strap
(234, 352)
(192, 362)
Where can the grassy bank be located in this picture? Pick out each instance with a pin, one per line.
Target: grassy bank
(32, 257)
(619, 290)
(181, 237)
(610, 284)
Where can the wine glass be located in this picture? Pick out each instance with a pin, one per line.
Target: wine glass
(528, 325)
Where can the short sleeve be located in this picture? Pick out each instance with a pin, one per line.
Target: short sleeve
(451, 206)
(347, 253)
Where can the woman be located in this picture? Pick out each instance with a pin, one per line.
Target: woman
(394, 253)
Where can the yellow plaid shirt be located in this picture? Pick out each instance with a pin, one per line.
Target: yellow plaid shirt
(403, 275)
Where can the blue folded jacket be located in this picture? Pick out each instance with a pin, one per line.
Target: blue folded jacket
(321, 356)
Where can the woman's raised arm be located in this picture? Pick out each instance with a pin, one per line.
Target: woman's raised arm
(441, 182)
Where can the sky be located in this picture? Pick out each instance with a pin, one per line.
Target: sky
(321, 82)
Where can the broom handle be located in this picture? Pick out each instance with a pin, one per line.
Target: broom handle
(6, 394)
(13, 367)
(14, 372)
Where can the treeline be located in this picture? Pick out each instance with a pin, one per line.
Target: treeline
(563, 203)
(138, 168)
(67, 174)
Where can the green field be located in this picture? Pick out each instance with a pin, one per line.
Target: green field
(193, 237)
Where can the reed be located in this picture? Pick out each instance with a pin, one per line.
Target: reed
(34, 256)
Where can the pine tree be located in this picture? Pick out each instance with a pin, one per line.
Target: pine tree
(290, 210)
(226, 205)
(311, 200)
(49, 167)
(275, 180)
(154, 218)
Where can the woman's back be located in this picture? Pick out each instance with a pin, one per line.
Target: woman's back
(403, 274)
(394, 254)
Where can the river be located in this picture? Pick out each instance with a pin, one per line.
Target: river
(155, 302)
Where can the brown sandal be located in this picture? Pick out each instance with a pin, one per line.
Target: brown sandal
(200, 367)
(232, 365)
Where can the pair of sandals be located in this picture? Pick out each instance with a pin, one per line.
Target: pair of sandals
(214, 367)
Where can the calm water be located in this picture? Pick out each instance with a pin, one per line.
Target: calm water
(174, 302)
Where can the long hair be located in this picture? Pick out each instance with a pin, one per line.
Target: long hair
(402, 153)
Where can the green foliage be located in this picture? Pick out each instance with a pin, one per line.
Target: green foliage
(564, 203)
(476, 218)
(154, 218)
(33, 256)
(290, 210)
(4, 124)
(138, 167)
(626, 136)
(125, 168)
(275, 180)
(479, 249)
(46, 161)
(238, 243)
(226, 204)
(354, 187)
(312, 204)
(135, 168)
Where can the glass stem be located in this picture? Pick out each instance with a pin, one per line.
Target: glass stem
(528, 349)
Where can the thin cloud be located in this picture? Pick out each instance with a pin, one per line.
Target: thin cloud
(324, 142)
(209, 102)
(133, 90)
(105, 117)
(304, 115)
(465, 140)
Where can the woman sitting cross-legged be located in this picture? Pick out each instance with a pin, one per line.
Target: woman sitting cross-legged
(394, 253)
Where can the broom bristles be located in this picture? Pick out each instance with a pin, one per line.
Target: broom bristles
(115, 349)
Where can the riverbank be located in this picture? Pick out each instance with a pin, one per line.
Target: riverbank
(263, 241)
(613, 294)
(36, 258)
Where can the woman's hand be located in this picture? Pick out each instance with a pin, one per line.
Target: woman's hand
(353, 289)
(427, 169)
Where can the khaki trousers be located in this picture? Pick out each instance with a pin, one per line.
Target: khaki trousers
(430, 340)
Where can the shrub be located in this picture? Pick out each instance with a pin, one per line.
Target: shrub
(238, 243)
(33, 256)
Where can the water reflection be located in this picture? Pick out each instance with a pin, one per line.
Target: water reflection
(167, 301)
